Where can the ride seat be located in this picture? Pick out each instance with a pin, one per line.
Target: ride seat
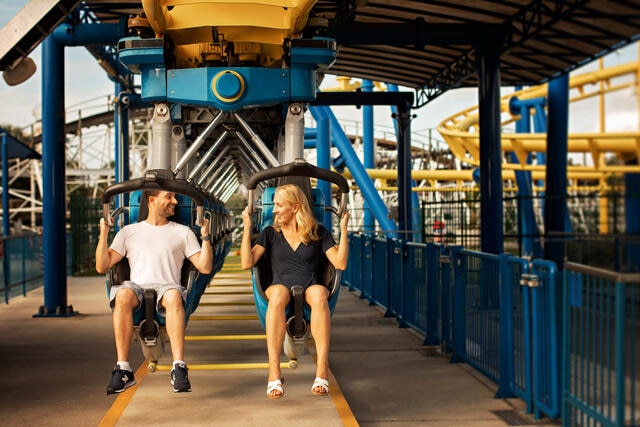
(121, 272)
(138, 207)
(263, 273)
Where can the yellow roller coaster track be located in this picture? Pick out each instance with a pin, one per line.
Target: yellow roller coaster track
(460, 131)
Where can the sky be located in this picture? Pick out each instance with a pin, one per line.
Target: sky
(87, 84)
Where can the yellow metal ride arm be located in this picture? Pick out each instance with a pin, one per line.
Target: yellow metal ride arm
(202, 29)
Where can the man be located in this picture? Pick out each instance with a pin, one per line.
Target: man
(156, 249)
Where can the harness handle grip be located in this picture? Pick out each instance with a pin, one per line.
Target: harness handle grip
(299, 167)
(154, 179)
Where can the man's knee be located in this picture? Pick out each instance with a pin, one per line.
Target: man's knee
(172, 299)
(126, 298)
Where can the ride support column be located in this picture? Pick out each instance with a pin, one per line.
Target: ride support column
(53, 181)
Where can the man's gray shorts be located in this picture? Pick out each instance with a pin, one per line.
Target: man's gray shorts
(139, 291)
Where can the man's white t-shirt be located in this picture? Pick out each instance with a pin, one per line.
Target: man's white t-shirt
(155, 253)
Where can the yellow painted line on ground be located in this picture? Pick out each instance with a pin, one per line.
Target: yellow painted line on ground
(225, 337)
(225, 366)
(222, 317)
(215, 304)
(229, 293)
(341, 404)
(235, 284)
(335, 392)
(122, 400)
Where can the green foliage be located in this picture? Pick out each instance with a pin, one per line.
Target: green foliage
(237, 203)
(14, 131)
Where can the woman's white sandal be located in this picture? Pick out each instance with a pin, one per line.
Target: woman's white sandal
(275, 385)
(319, 382)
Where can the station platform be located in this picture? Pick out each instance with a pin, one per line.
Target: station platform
(54, 371)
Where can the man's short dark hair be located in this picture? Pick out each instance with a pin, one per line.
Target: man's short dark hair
(148, 193)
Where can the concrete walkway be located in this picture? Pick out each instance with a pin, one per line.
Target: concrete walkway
(55, 370)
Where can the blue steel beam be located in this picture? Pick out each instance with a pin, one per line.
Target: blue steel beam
(5, 187)
(121, 132)
(416, 216)
(53, 181)
(491, 215)
(341, 141)
(527, 218)
(556, 212)
(70, 34)
(405, 223)
(323, 150)
(369, 151)
(632, 220)
(53, 157)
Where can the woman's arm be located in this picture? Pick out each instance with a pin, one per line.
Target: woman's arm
(248, 255)
(338, 255)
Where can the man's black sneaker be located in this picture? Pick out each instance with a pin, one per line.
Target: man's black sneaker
(120, 380)
(180, 378)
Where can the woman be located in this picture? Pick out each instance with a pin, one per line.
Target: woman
(294, 243)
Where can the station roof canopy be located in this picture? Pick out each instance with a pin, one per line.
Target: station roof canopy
(17, 149)
(432, 46)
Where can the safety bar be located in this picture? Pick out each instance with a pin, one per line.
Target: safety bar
(154, 179)
(300, 167)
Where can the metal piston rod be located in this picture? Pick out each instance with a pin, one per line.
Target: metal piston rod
(255, 138)
(222, 177)
(195, 146)
(205, 178)
(203, 161)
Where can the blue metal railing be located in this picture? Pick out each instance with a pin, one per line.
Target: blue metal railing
(380, 291)
(498, 313)
(601, 331)
(22, 267)
(481, 311)
(546, 344)
(22, 263)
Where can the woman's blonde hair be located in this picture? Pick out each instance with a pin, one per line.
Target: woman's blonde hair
(306, 224)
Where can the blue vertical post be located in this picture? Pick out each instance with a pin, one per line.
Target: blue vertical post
(5, 214)
(459, 309)
(491, 216)
(121, 131)
(619, 348)
(416, 214)
(5, 185)
(405, 225)
(323, 151)
(369, 150)
(433, 288)
(526, 216)
(53, 180)
(444, 259)
(506, 330)
(555, 212)
(632, 220)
